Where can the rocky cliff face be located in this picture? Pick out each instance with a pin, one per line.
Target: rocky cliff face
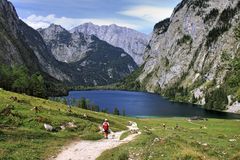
(13, 50)
(131, 41)
(22, 45)
(66, 47)
(192, 49)
(94, 61)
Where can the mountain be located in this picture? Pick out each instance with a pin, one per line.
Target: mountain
(131, 41)
(94, 61)
(22, 45)
(14, 51)
(194, 55)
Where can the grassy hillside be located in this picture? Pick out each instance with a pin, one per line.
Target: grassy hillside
(22, 135)
(196, 140)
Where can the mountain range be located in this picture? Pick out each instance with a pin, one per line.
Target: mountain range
(131, 41)
(93, 61)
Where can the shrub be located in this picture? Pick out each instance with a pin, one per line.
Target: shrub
(215, 33)
(199, 3)
(224, 24)
(185, 39)
(212, 15)
(216, 99)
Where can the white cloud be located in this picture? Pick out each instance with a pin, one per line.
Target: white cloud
(148, 13)
(69, 23)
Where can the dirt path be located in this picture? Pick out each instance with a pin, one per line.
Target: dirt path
(90, 150)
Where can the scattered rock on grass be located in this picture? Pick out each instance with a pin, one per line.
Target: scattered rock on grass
(232, 140)
(133, 127)
(70, 125)
(205, 144)
(156, 140)
(48, 127)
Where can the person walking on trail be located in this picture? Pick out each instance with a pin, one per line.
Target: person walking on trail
(105, 128)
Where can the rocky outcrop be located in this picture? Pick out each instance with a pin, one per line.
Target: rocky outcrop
(66, 47)
(193, 48)
(13, 50)
(129, 40)
(93, 61)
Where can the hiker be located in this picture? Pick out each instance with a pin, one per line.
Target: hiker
(105, 128)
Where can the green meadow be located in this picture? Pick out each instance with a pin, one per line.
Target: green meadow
(22, 133)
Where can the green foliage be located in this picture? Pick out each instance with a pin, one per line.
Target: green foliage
(82, 103)
(166, 62)
(131, 82)
(238, 94)
(216, 99)
(177, 93)
(199, 3)
(224, 24)
(225, 57)
(215, 33)
(237, 32)
(212, 15)
(19, 79)
(227, 15)
(37, 85)
(116, 111)
(95, 108)
(184, 40)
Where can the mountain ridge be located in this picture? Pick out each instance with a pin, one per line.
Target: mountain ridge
(80, 51)
(131, 41)
(188, 55)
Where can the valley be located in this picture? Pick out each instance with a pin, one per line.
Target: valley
(169, 90)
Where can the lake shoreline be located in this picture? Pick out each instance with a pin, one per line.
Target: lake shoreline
(103, 88)
(197, 108)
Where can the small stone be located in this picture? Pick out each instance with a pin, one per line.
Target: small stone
(232, 140)
(156, 140)
(205, 144)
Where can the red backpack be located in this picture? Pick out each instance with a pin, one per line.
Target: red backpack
(105, 126)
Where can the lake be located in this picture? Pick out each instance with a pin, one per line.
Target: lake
(141, 104)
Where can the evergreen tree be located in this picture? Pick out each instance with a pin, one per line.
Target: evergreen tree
(105, 110)
(21, 82)
(82, 103)
(116, 111)
(37, 85)
(124, 112)
(95, 108)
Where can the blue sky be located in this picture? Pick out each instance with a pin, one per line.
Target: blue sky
(137, 14)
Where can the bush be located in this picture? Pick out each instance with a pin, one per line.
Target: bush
(185, 39)
(237, 32)
(199, 3)
(224, 24)
(215, 33)
(212, 15)
(238, 95)
(216, 99)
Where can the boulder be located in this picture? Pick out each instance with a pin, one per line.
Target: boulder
(48, 127)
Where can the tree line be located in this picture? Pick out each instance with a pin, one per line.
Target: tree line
(19, 79)
(86, 104)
